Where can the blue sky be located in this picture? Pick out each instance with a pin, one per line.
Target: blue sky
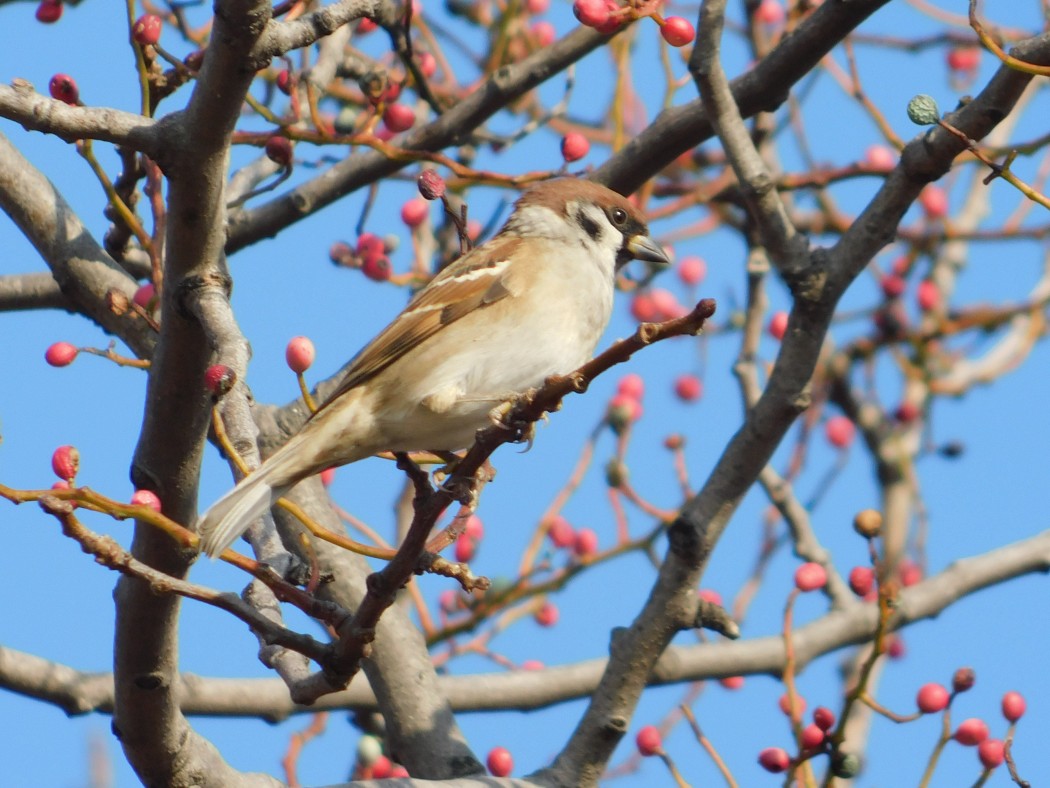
(990, 496)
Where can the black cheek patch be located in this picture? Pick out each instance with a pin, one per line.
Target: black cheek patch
(589, 225)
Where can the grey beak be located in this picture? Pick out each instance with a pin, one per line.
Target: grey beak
(642, 247)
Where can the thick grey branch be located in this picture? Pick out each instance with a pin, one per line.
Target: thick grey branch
(31, 291)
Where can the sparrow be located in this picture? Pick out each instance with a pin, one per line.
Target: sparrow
(529, 303)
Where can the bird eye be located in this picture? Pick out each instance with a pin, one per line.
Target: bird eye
(618, 216)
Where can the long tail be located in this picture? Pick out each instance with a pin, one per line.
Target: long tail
(230, 516)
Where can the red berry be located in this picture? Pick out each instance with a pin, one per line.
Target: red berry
(812, 737)
(466, 549)
(586, 543)
(992, 753)
(146, 498)
(547, 615)
(928, 296)
(537, 6)
(909, 572)
(49, 11)
(219, 379)
(299, 354)
(649, 741)
(785, 704)
(677, 31)
(778, 324)
(398, 772)
(427, 64)
(963, 679)
(893, 286)
(366, 25)
(561, 533)
(328, 476)
(532, 664)
(964, 58)
(500, 762)
(60, 354)
(932, 698)
(810, 576)
(901, 266)
(906, 412)
(643, 308)
(64, 88)
(414, 212)
(574, 146)
(65, 462)
(591, 13)
(284, 81)
(431, 185)
(631, 385)
(880, 157)
(611, 23)
(543, 32)
(895, 648)
(370, 245)
(474, 528)
(382, 768)
(144, 295)
(449, 600)
(692, 270)
(688, 388)
(934, 201)
(667, 306)
(839, 431)
(399, 117)
(376, 268)
(823, 718)
(862, 580)
(774, 759)
(769, 12)
(732, 683)
(146, 29)
(971, 732)
(1013, 706)
(710, 595)
(279, 149)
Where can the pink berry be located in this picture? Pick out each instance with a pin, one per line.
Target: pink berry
(631, 385)
(328, 476)
(928, 296)
(710, 595)
(561, 533)
(586, 543)
(537, 6)
(880, 157)
(932, 698)
(823, 718)
(544, 33)
(377, 268)
(431, 185)
(574, 146)
(774, 759)
(144, 295)
(64, 88)
(500, 762)
(449, 600)
(474, 528)
(612, 22)
(60, 354)
(649, 741)
(692, 270)
(414, 212)
(399, 772)
(839, 431)
(547, 615)
(895, 648)
(340, 253)
(785, 704)
(688, 388)
(427, 64)
(49, 11)
(146, 498)
(366, 25)
(643, 308)
(591, 13)
(971, 732)
(299, 354)
(667, 306)
(284, 81)
(279, 150)
(677, 31)
(399, 117)
(466, 549)
(810, 576)
(812, 737)
(909, 572)
(934, 201)
(862, 580)
(623, 410)
(532, 664)
(65, 462)
(219, 379)
(146, 29)
(893, 286)
(370, 245)
(965, 58)
(769, 12)
(992, 753)
(778, 324)
(1013, 706)
(382, 768)
(732, 683)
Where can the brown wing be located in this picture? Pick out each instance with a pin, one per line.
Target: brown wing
(474, 281)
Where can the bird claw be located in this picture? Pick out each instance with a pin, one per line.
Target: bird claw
(502, 416)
